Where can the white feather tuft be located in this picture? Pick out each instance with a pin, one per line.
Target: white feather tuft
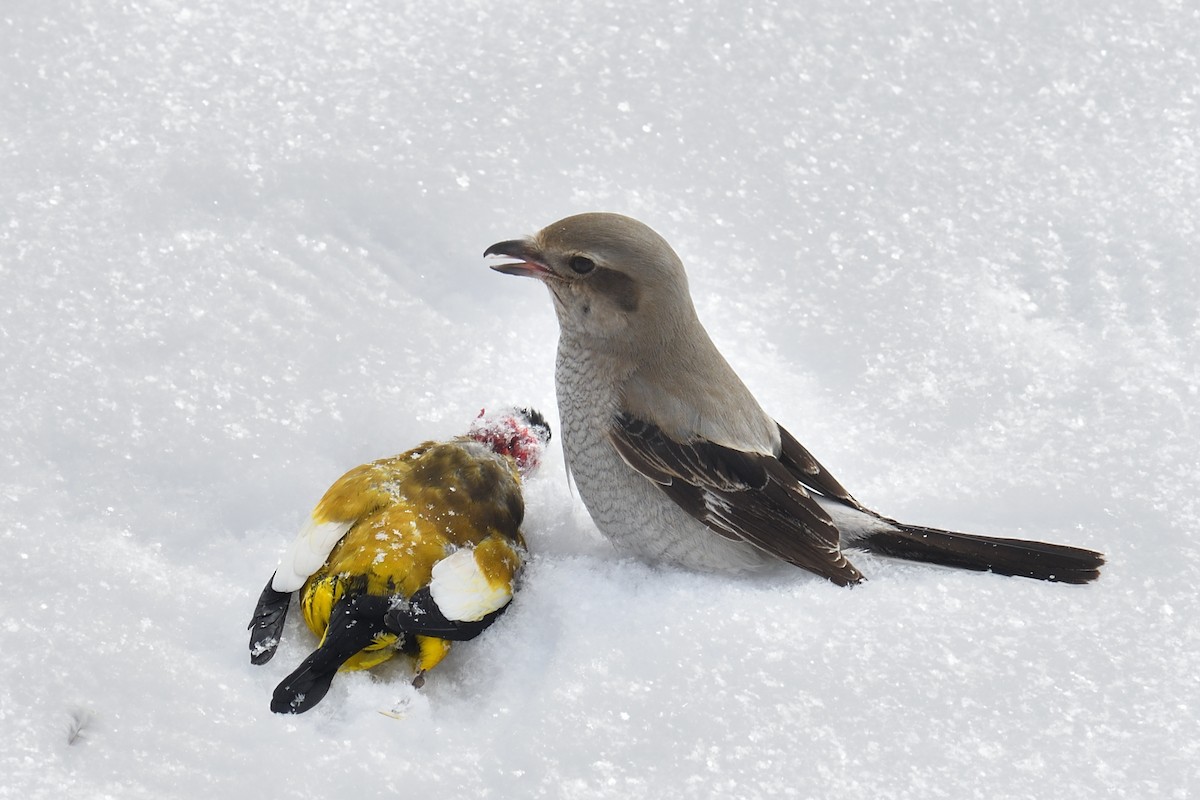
(307, 553)
(461, 590)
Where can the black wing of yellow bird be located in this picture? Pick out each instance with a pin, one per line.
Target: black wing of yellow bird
(404, 555)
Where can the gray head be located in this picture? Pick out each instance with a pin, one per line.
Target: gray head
(616, 283)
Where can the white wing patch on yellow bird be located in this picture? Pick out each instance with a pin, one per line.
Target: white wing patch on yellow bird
(307, 553)
(461, 590)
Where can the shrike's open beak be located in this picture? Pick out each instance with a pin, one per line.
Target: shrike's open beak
(531, 260)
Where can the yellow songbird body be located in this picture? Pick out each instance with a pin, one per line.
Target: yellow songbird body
(409, 512)
(404, 555)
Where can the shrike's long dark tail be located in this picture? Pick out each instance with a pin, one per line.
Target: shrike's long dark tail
(1040, 560)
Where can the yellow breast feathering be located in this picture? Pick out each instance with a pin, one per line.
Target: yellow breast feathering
(410, 512)
(420, 549)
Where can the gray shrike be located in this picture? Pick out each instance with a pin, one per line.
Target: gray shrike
(670, 452)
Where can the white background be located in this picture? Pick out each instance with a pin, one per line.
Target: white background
(951, 246)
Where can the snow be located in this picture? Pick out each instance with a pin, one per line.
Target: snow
(952, 247)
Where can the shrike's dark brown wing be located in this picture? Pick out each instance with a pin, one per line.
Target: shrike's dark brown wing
(742, 496)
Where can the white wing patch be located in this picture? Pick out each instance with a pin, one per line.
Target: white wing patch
(461, 590)
(307, 553)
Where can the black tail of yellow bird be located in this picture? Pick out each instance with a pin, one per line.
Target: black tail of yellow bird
(403, 556)
(355, 624)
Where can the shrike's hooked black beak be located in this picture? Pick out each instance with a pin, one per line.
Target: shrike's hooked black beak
(530, 265)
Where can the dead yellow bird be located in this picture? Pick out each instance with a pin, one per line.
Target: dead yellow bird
(404, 555)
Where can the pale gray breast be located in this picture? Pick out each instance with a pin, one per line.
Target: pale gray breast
(631, 511)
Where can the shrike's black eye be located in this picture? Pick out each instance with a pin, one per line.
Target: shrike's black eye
(582, 265)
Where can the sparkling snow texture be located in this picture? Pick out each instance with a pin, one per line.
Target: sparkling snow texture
(951, 246)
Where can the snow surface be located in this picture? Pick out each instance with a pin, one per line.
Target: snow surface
(951, 246)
